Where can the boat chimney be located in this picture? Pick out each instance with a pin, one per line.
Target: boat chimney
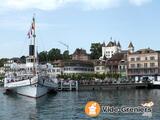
(31, 50)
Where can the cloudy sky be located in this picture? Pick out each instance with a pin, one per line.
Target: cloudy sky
(78, 23)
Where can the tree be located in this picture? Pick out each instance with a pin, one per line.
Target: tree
(42, 56)
(23, 59)
(65, 55)
(3, 61)
(54, 54)
(96, 50)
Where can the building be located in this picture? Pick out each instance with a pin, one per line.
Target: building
(117, 63)
(122, 66)
(110, 49)
(80, 54)
(76, 66)
(56, 68)
(144, 64)
(70, 67)
(100, 67)
(115, 59)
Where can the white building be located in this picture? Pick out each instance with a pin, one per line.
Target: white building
(110, 49)
(52, 70)
(75, 66)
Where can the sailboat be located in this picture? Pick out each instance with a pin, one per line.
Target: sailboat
(33, 80)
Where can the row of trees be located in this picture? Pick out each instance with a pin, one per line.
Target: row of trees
(89, 76)
(53, 54)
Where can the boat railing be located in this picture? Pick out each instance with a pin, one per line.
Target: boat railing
(18, 83)
(17, 78)
(48, 82)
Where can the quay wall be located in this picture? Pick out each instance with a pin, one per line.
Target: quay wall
(83, 87)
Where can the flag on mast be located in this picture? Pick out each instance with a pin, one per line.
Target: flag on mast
(29, 35)
(30, 32)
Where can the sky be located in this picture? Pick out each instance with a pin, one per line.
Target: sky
(78, 23)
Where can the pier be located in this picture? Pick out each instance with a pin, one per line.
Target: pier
(68, 85)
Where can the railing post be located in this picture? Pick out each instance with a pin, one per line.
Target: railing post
(61, 85)
(70, 85)
(77, 85)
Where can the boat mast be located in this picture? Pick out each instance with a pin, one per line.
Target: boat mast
(34, 39)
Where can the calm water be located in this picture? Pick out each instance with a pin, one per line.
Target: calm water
(70, 105)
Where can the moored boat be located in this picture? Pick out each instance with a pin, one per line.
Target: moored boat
(32, 80)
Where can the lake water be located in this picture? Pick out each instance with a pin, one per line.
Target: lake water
(70, 105)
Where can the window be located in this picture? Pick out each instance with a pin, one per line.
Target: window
(132, 59)
(138, 65)
(97, 68)
(132, 65)
(124, 67)
(152, 58)
(146, 71)
(152, 71)
(145, 58)
(120, 67)
(138, 59)
(152, 64)
(145, 65)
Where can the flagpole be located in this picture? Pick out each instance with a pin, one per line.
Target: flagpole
(34, 37)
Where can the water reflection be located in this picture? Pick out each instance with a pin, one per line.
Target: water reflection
(70, 105)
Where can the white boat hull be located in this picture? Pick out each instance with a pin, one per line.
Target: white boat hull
(33, 91)
(34, 87)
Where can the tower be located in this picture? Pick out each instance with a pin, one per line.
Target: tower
(130, 48)
(119, 47)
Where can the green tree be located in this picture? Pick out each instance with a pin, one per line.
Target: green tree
(54, 54)
(3, 61)
(65, 55)
(23, 59)
(42, 56)
(96, 50)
